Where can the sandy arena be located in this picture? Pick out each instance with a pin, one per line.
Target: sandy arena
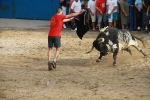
(24, 72)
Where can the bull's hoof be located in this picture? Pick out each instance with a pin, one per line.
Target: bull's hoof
(98, 60)
(114, 64)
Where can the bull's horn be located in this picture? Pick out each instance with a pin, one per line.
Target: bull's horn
(101, 39)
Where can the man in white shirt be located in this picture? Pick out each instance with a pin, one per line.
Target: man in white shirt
(92, 10)
(112, 12)
(76, 6)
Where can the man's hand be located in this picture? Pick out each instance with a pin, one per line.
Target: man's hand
(126, 15)
(92, 14)
(82, 11)
(139, 9)
(147, 14)
(71, 18)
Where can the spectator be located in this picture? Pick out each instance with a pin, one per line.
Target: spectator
(138, 6)
(76, 7)
(92, 10)
(145, 16)
(70, 3)
(63, 4)
(112, 12)
(147, 13)
(124, 13)
(119, 15)
(148, 8)
(100, 12)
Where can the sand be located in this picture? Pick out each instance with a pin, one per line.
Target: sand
(24, 72)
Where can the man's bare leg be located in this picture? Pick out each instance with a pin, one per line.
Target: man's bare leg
(56, 54)
(49, 54)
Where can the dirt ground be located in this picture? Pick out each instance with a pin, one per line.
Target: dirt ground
(24, 72)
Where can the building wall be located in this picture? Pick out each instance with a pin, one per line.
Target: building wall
(28, 9)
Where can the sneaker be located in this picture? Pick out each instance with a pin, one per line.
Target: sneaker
(94, 29)
(74, 29)
(54, 64)
(138, 28)
(64, 26)
(49, 65)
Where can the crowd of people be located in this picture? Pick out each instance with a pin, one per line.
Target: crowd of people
(113, 13)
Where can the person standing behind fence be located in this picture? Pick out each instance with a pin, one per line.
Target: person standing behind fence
(75, 7)
(92, 9)
(100, 11)
(148, 8)
(147, 13)
(138, 6)
(70, 3)
(63, 4)
(145, 17)
(112, 12)
(124, 13)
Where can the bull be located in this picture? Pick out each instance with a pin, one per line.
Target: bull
(111, 40)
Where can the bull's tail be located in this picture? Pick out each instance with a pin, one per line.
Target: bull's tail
(141, 39)
(90, 50)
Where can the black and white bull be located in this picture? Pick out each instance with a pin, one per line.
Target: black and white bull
(113, 40)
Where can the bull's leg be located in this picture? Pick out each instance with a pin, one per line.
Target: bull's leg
(115, 55)
(99, 58)
(139, 49)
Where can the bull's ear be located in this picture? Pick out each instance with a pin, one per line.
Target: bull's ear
(101, 39)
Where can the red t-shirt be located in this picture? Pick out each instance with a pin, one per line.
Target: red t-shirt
(56, 23)
(101, 5)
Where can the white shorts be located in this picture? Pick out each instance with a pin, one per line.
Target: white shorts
(113, 17)
(93, 17)
(110, 18)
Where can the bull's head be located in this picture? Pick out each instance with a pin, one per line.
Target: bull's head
(102, 45)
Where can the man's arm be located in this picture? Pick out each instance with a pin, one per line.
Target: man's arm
(89, 8)
(75, 14)
(97, 4)
(113, 9)
(69, 19)
(124, 12)
(148, 8)
(72, 11)
(90, 11)
(137, 8)
(99, 10)
(144, 4)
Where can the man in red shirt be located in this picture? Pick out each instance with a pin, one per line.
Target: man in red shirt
(54, 34)
(100, 11)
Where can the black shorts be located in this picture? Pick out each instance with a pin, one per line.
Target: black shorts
(54, 41)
